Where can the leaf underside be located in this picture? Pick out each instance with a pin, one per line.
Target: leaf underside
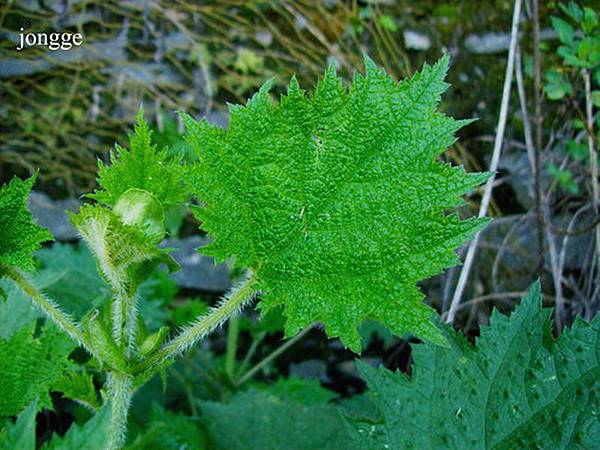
(518, 388)
(336, 200)
(20, 236)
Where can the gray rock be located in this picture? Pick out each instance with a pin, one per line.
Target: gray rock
(416, 41)
(264, 38)
(313, 368)
(197, 271)
(52, 214)
(494, 42)
(112, 51)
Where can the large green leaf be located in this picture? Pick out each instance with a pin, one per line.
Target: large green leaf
(19, 235)
(518, 388)
(336, 201)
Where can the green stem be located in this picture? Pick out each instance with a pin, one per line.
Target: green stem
(48, 307)
(120, 392)
(203, 326)
(272, 356)
(251, 351)
(131, 324)
(232, 340)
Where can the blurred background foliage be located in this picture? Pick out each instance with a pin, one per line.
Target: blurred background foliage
(62, 110)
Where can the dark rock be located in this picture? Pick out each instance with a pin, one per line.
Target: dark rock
(497, 42)
(313, 368)
(52, 214)
(197, 271)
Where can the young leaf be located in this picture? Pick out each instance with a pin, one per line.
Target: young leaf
(336, 201)
(518, 388)
(77, 384)
(93, 435)
(142, 167)
(20, 236)
(125, 253)
(30, 366)
(21, 434)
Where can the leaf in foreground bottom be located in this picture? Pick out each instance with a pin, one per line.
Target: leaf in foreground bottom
(517, 388)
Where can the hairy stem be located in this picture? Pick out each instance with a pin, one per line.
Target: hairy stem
(131, 324)
(124, 321)
(48, 307)
(120, 391)
(202, 326)
(117, 319)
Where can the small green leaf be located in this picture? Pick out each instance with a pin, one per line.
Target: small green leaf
(143, 167)
(590, 20)
(300, 390)
(93, 435)
(97, 327)
(78, 385)
(573, 10)
(565, 32)
(387, 22)
(154, 341)
(20, 236)
(556, 86)
(577, 150)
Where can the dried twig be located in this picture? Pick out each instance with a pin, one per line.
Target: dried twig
(537, 100)
(464, 274)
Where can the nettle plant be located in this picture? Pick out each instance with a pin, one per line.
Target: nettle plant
(335, 205)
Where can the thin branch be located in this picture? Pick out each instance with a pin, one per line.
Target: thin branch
(233, 332)
(537, 100)
(203, 326)
(464, 274)
(593, 162)
(272, 356)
